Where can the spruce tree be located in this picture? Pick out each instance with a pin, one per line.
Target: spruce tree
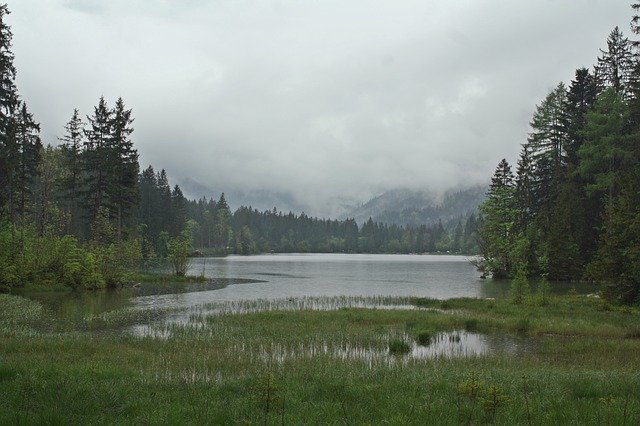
(616, 65)
(164, 202)
(222, 227)
(178, 210)
(524, 188)
(604, 149)
(580, 99)
(498, 232)
(72, 143)
(547, 146)
(27, 134)
(99, 162)
(9, 152)
(122, 189)
(618, 259)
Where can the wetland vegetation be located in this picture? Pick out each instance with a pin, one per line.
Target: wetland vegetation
(571, 360)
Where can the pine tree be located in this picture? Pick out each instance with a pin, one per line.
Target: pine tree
(222, 227)
(122, 190)
(618, 258)
(164, 202)
(9, 152)
(580, 99)
(565, 258)
(99, 161)
(147, 209)
(547, 146)
(72, 143)
(635, 21)
(27, 134)
(178, 210)
(498, 232)
(50, 218)
(524, 188)
(604, 149)
(616, 65)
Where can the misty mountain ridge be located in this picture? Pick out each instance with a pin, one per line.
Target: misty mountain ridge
(401, 206)
(420, 207)
(260, 200)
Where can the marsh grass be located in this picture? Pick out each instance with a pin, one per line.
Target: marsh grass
(425, 337)
(399, 347)
(584, 371)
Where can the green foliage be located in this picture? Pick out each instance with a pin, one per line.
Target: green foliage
(498, 231)
(49, 260)
(178, 251)
(118, 260)
(244, 242)
(29, 259)
(603, 152)
(520, 288)
(618, 258)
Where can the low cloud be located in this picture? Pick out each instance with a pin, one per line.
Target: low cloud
(329, 102)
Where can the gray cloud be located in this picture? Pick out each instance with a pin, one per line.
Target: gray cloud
(324, 100)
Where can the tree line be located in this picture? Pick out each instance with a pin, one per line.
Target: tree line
(571, 208)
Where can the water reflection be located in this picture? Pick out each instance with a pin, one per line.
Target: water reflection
(445, 345)
(323, 275)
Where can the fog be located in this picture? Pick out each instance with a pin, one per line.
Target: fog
(324, 103)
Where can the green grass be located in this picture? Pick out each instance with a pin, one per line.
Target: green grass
(255, 368)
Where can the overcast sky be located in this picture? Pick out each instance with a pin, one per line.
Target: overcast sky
(326, 100)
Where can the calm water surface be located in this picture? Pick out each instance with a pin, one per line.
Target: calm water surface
(300, 275)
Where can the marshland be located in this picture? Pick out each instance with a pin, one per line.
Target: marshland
(129, 355)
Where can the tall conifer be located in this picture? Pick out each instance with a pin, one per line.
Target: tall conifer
(8, 101)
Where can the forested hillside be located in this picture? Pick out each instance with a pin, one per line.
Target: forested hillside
(415, 208)
(570, 208)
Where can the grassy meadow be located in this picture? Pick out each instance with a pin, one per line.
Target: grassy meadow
(287, 364)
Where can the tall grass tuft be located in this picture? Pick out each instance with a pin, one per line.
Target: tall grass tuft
(523, 325)
(424, 337)
(544, 290)
(399, 347)
(471, 324)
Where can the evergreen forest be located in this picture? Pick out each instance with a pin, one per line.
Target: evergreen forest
(570, 208)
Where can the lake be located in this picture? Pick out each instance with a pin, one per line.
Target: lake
(299, 275)
(280, 276)
(253, 283)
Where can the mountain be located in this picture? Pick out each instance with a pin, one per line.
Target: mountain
(411, 207)
(398, 206)
(261, 200)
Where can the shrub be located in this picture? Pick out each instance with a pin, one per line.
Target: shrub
(519, 287)
(424, 337)
(445, 305)
(399, 347)
(178, 250)
(471, 324)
